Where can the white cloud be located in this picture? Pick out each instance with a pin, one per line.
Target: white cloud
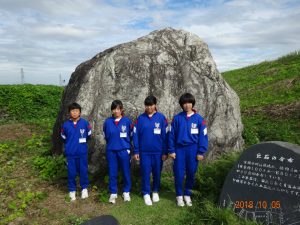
(48, 38)
(240, 33)
(68, 31)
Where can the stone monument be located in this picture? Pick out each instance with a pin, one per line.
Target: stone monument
(165, 63)
(264, 184)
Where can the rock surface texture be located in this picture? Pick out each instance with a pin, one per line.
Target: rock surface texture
(165, 63)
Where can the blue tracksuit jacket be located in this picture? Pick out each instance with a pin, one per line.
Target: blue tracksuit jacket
(149, 134)
(185, 131)
(75, 137)
(117, 136)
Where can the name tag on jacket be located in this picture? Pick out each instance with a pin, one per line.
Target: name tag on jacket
(82, 140)
(157, 131)
(123, 135)
(194, 131)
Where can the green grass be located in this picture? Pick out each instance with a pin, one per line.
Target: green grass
(270, 99)
(29, 102)
(274, 82)
(259, 128)
(162, 212)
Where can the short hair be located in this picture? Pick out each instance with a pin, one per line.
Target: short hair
(74, 105)
(186, 98)
(150, 100)
(115, 104)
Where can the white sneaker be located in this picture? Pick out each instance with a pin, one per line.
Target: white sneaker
(84, 193)
(188, 200)
(180, 201)
(72, 195)
(147, 199)
(155, 197)
(112, 198)
(126, 196)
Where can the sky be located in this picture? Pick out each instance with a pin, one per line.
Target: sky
(48, 39)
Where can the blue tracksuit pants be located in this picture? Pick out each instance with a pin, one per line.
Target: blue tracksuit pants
(78, 166)
(116, 160)
(185, 163)
(150, 163)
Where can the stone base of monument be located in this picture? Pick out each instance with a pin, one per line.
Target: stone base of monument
(102, 220)
(264, 184)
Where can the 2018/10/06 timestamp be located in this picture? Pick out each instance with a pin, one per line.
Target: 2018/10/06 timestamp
(261, 204)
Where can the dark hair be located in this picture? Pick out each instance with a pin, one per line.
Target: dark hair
(186, 98)
(150, 100)
(115, 104)
(74, 105)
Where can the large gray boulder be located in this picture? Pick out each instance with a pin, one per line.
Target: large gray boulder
(166, 63)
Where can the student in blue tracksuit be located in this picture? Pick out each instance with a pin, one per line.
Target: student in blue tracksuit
(187, 143)
(75, 133)
(117, 133)
(149, 137)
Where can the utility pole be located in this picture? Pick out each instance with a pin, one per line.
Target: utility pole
(22, 76)
(60, 82)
